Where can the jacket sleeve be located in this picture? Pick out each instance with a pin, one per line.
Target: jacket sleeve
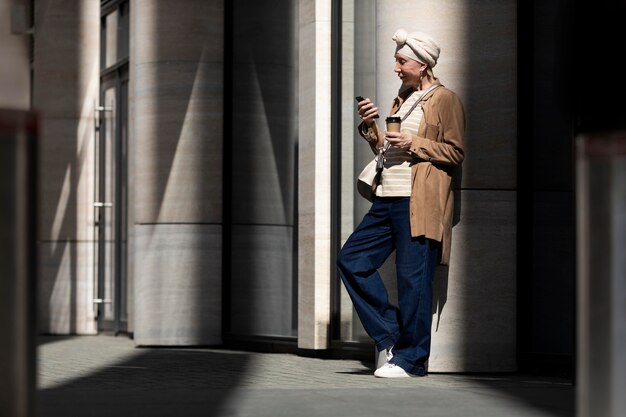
(372, 135)
(446, 147)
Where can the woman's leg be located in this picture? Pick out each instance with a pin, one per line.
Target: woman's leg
(416, 259)
(364, 252)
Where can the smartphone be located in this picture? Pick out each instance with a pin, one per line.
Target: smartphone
(361, 98)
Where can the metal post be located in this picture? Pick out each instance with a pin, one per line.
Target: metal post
(17, 263)
(601, 274)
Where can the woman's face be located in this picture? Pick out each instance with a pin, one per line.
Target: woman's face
(409, 70)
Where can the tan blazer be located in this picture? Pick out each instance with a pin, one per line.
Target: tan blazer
(437, 151)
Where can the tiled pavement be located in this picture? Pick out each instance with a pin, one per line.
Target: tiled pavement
(109, 376)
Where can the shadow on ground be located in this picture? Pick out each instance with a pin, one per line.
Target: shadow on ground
(45, 339)
(153, 382)
(552, 396)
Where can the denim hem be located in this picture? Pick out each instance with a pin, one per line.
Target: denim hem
(416, 370)
(387, 342)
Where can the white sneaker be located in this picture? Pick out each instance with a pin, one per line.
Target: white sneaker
(383, 357)
(389, 353)
(389, 370)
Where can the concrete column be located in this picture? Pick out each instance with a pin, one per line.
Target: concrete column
(65, 92)
(177, 69)
(263, 149)
(314, 174)
(18, 345)
(601, 274)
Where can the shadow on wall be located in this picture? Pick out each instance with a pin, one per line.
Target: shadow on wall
(440, 281)
(176, 150)
(261, 170)
(63, 155)
(154, 382)
(178, 138)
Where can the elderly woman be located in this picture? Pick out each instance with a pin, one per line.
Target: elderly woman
(411, 212)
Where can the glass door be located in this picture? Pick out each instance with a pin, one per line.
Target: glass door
(354, 75)
(110, 203)
(111, 161)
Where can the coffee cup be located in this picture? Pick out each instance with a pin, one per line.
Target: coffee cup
(393, 123)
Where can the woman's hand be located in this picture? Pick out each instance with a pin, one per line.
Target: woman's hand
(399, 140)
(367, 111)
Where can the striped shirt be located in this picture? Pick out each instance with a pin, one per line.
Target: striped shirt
(396, 175)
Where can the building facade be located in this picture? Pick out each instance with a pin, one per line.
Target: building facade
(198, 163)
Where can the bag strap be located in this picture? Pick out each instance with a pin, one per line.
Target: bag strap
(428, 90)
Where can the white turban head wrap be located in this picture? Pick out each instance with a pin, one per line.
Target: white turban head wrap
(418, 46)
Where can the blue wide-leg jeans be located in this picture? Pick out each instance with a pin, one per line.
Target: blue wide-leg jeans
(407, 328)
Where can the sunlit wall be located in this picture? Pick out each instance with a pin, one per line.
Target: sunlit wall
(65, 93)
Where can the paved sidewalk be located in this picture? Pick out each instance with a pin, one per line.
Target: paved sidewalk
(109, 376)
